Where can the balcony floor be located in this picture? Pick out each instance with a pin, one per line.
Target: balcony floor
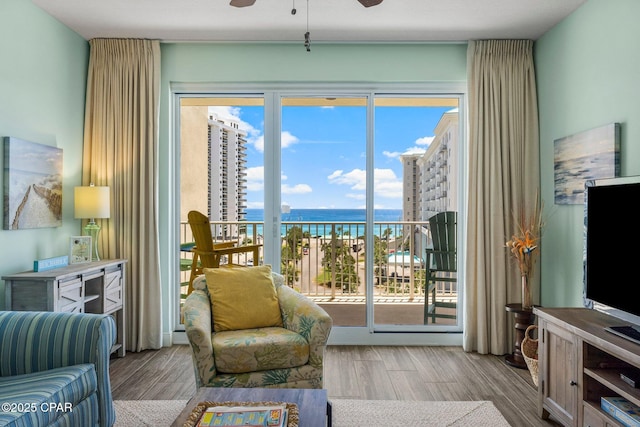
(388, 311)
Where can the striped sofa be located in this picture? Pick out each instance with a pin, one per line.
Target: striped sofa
(54, 369)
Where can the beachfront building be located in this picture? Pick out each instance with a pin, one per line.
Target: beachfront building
(410, 187)
(213, 168)
(227, 174)
(429, 180)
(438, 169)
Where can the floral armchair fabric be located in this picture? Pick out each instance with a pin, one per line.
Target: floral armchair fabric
(273, 357)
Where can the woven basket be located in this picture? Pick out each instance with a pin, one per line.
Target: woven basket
(529, 349)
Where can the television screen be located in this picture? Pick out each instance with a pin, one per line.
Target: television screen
(612, 238)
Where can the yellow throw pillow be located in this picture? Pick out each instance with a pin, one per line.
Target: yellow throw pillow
(243, 298)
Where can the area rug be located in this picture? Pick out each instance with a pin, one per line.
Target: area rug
(142, 413)
(346, 413)
(369, 413)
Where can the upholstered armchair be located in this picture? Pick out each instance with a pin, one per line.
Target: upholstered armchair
(286, 353)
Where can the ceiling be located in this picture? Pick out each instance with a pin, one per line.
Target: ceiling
(328, 20)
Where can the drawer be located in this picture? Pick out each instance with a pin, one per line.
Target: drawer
(592, 417)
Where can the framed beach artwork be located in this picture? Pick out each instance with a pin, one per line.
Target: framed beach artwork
(587, 155)
(32, 185)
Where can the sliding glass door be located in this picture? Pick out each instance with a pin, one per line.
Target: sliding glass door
(339, 187)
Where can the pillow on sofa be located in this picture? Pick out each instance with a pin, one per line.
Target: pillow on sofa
(243, 298)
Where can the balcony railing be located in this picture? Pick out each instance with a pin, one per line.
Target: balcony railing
(326, 260)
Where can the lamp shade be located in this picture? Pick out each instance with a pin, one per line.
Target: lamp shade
(92, 202)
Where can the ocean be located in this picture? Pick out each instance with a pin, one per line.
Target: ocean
(325, 216)
(329, 215)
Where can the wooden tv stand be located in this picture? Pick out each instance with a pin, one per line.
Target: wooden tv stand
(579, 362)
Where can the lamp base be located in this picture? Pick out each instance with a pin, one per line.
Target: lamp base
(92, 229)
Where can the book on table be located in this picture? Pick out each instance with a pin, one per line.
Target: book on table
(244, 416)
(622, 410)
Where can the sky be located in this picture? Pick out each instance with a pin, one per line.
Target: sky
(323, 153)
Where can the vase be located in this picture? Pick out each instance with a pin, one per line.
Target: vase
(526, 293)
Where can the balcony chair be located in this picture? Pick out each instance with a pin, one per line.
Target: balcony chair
(247, 328)
(441, 264)
(207, 254)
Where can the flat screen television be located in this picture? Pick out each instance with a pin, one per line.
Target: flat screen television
(612, 247)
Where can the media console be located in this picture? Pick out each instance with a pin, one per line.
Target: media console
(580, 362)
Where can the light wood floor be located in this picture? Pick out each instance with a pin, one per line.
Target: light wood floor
(358, 372)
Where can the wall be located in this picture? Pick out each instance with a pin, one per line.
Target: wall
(43, 67)
(588, 75)
(277, 63)
(588, 68)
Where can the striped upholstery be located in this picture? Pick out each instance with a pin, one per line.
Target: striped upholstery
(61, 386)
(33, 342)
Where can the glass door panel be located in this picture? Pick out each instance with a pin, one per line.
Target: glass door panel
(323, 194)
(221, 174)
(415, 176)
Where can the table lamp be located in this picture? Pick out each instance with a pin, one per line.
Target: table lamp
(90, 203)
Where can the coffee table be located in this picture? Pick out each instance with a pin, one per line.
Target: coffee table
(314, 409)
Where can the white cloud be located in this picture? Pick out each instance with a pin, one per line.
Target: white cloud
(356, 179)
(425, 140)
(286, 140)
(229, 113)
(385, 182)
(258, 143)
(414, 150)
(255, 178)
(417, 149)
(295, 189)
(334, 174)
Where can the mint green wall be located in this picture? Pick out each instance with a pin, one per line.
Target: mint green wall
(588, 75)
(276, 63)
(43, 68)
(588, 71)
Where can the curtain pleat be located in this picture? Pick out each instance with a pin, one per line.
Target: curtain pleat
(504, 176)
(121, 151)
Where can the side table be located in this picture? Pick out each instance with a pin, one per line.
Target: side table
(523, 319)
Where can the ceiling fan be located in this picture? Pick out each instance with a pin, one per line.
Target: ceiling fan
(245, 3)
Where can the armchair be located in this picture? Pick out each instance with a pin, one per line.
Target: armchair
(290, 356)
(56, 358)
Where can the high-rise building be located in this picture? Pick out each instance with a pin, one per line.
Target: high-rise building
(227, 174)
(213, 169)
(438, 182)
(430, 180)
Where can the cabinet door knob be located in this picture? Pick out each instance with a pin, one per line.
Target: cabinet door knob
(572, 382)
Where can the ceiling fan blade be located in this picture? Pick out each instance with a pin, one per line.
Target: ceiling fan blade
(369, 3)
(242, 3)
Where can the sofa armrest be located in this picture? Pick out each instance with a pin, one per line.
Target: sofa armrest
(303, 316)
(197, 325)
(39, 341)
